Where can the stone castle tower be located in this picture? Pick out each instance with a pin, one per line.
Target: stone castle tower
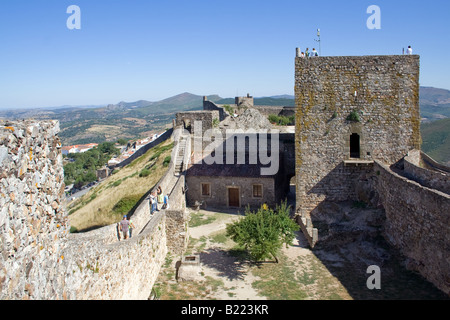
(350, 112)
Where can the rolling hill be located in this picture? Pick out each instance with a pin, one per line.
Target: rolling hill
(436, 140)
(434, 103)
(132, 120)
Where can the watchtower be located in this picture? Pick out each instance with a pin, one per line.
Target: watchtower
(351, 111)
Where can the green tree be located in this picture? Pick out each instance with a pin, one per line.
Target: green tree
(122, 141)
(83, 169)
(263, 233)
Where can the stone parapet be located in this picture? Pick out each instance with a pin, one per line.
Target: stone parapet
(418, 223)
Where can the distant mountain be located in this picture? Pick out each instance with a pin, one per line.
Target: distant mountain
(130, 120)
(136, 104)
(284, 96)
(434, 103)
(281, 100)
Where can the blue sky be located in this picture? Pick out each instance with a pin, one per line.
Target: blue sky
(136, 49)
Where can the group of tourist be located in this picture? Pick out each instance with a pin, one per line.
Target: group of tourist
(308, 54)
(314, 53)
(157, 201)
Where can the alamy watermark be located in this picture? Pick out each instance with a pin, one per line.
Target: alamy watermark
(374, 281)
(74, 21)
(230, 147)
(374, 21)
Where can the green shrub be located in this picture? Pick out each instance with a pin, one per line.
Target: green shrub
(264, 232)
(124, 205)
(116, 183)
(354, 116)
(282, 120)
(228, 109)
(166, 161)
(144, 173)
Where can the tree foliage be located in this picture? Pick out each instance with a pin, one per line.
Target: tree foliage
(263, 233)
(83, 168)
(282, 120)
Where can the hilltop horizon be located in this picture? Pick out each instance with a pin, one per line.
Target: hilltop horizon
(212, 97)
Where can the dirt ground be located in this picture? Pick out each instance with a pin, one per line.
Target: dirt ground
(226, 273)
(325, 273)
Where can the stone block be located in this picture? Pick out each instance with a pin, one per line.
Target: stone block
(189, 269)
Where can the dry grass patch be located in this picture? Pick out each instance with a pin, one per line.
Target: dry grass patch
(110, 200)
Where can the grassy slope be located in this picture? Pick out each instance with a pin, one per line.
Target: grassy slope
(95, 208)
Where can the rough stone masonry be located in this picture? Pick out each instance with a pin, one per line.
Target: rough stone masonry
(381, 92)
(39, 259)
(356, 117)
(32, 217)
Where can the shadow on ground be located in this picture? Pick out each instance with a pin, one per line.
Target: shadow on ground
(354, 241)
(225, 262)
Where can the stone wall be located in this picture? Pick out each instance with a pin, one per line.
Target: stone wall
(264, 110)
(163, 137)
(33, 223)
(276, 110)
(219, 192)
(382, 91)
(40, 260)
(177, 219)
(418, 223)
(94, 270)
(186, 119)
(211, 106)
(427, 175)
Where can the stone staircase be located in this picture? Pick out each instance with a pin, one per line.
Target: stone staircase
(180, 156)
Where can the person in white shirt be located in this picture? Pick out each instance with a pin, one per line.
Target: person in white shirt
(409, 50)
(314, 53)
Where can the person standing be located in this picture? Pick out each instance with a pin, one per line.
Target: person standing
(160, 199)
(314, 53)
(124, 227)
(409, 51)
(166, 201)
(307, 53)
(152, 203)
(130, 228)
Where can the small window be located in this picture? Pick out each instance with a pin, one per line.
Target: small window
(257, 191)
(206, 189)
(355, 146)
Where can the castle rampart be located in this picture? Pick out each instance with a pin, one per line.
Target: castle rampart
(424, 170)
(33, 223)
(418, 223)
(40, 260)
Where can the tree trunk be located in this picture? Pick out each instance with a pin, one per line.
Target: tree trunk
(276, 259)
